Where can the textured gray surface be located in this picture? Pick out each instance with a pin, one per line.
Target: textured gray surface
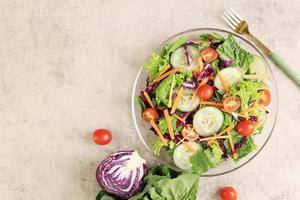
(67, 68)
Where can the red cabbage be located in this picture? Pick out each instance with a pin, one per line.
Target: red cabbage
(191, 42)
(122, 173)
(189, 84)
(240, 144)
(225, 63)
(184, 116)
(223, 148)
(253, 118)
(188, 55)
(150, 89)
(208, 70)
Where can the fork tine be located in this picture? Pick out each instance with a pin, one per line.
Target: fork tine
(229, 23)
(230, 19)
(236, 15)
(232, 16)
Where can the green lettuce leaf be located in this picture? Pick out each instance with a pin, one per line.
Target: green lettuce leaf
(247, 91)
(140, 102)
(247, 148)
(228, 119)
(103, 196)
(230, 50)
(214, 36)
(155, 65)
(163, 90)
(163, 183)
(162, 124)
(207, 159)
(156, 146)
(170, 47)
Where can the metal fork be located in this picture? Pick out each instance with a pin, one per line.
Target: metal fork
(240, 26)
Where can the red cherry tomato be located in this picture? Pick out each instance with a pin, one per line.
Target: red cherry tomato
(150, 114)
(228, 193)
(266, 98)
(205, 92)
(245, 128)
(102, 136)
(209, 54)
(231, 104)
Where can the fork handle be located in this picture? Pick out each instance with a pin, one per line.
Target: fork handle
(279, 62)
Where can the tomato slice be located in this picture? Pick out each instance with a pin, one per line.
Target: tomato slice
(205, 92)
(209, 54)
(150, 114)
(102, 136)
(245, 128)
(231, 104)
(228, 193)
(266, 98)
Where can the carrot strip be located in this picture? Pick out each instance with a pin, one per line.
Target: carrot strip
(212, 103)
(167, 67)
(187, 135)
(169, 123)
(161, 77)
(220, 134)
(256, 77)
(241, 115)
(178, 117)
(249, 109)
(148, 99)
(231, 145)
(156, 128)
(224, 84)
(213, 137)
(200, 64)
(171, 92)
(177, 100)
(190, 147)
(203, 82)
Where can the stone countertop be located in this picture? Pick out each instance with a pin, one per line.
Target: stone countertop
(67, 68)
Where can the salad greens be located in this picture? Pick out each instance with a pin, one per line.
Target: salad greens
(215, 99)
(163, 183)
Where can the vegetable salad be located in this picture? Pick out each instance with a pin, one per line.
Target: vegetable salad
(205, 100)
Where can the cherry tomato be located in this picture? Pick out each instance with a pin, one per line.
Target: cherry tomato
(209, 54)
(228, 193)
(266, 99)
(102, 136)
(205, 92)
(150, 114)
(245, 128)
(231, 104)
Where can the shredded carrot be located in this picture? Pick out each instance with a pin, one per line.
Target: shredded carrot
(178, 117)
(161, 77)
(203, 82)
(256, 77)
(169, 123)
(200, 64)
(156, 128)
(171, 92)
(241, 115)
(190, 147)
(148, 99)
(259, 124)
(167, 67)
(213, 137)
(187, 135)
(220, 134)
(177, 100)
(254, 107)
(223, 83)
(212, 103)
(231, 144)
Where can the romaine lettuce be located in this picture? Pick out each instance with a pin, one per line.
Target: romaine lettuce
(231, 50)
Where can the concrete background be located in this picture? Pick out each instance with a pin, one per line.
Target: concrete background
(67, 68)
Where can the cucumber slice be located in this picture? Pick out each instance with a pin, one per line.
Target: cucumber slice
(231, 76)
(182, 155)
(187, 104)
(208, 120)
(178, 58)
(258, 66)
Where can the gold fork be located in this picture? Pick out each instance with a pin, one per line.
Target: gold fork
(240, 26)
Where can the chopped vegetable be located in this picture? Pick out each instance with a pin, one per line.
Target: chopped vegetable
(150, 114)
(177, 100)
(149, 99)
(171, 92)
(169, 124)
(161, 77)
(163, 140)
(231, 145)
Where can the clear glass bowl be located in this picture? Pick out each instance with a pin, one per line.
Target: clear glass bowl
(147, 135)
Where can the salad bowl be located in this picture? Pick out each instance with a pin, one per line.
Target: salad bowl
(147, 136)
